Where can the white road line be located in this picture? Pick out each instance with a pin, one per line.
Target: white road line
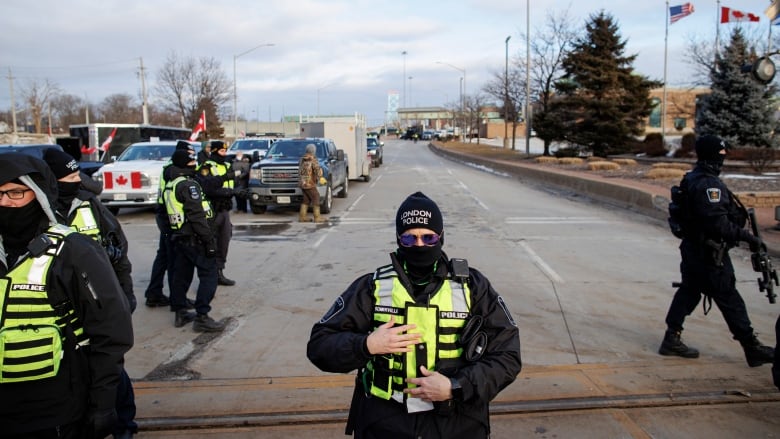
(541, 264)
(555, 220)
(375, 181)
(354, 204)
(474, 197)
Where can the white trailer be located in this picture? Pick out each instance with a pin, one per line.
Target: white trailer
(349, 134)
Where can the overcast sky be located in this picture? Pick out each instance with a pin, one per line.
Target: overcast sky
(342, 56)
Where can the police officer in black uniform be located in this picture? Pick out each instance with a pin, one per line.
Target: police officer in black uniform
(713, 222)
(63, 277)
(431, 339)
(217, 180)
(84, 213)
(190, 216)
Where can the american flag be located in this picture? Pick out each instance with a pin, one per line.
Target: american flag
(680, 11)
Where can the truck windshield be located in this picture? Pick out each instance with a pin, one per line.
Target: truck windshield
(293, 148)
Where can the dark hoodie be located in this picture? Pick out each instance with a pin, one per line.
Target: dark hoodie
(87, 378)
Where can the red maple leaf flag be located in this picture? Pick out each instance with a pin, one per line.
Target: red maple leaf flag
(201, 126)
(728, 15)
(107, 143)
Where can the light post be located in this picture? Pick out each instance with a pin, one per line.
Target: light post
(506, 91)
(404, 54)
(527, 77)
(462, 97)
(235, 91)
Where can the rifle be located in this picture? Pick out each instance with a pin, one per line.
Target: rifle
(762, 263)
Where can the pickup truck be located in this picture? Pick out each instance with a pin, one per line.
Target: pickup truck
(273, 181)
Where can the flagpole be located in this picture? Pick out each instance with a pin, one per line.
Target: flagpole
(717, 31)
(663, 102)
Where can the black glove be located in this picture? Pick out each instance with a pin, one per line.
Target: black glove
(100, 423)
(229, 175)
(133, 302)
(754, 242)
(211, 248)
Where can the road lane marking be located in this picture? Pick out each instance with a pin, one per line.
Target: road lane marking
(555, 220)
(541, 264)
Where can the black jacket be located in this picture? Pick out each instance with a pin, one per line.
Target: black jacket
(190, 194)
(88, 377)
(338, 344)
(109, 226)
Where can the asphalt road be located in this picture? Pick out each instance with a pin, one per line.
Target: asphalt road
(589, 286)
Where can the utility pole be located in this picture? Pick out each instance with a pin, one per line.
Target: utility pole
(13, 105)
(506, 92)
(144, 105)
(527, 77)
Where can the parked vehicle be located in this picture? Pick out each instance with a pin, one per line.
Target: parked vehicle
(273, 181)
(37, 150)
(349, 135)
(132, 179)
(255, 148)
(375, 151)
(91, 137)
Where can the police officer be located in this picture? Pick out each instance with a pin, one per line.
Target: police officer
(713, 222)
(163, 259)
(190, 216)
(62, 283)
(218, 185)
(432, 341)
(85, 214)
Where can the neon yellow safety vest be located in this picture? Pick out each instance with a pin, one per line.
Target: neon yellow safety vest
(84, 221)
(218, 169)
(175, 208)
(32, 331)
(163, 183)
(440, 321)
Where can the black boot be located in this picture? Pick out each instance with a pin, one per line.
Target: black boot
(673, 345)
(204, 323)
(183, 317)
(222, 280)
(757, 354)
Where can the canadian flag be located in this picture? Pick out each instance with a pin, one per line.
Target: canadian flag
(107, 143)
(728, 15)
(201, 126)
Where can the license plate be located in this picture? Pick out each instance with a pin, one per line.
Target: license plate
(283, 200)
(120, 197)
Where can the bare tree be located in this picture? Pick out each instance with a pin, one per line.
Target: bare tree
(68, 110)
(549, 48)
(119, 108)
(36, 95)
(183, 84)
(514, 89)
(700, 52)
(473, 113)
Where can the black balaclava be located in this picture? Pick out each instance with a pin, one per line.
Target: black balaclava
(216, 146)
(181, 158)
(708, 149)
(419, 211)
(62, 165)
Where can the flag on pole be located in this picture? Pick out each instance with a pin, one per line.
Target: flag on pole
(680, 11)
(728, 15)
(107, 143)
(201, 126)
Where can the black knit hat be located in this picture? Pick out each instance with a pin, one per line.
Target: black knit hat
(708, 147)
(181, 144)
(216, 145)
(61, 163)
(418, 211)
(181, 158)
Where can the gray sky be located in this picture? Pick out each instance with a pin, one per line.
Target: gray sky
(343, 56)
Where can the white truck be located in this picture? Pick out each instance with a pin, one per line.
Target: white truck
(349, 135)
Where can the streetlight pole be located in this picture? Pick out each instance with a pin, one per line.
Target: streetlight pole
(462, 97)
(404, 54)
(527, 77)
(506, 91)
(235, 91)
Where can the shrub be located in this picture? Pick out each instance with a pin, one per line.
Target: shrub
(663, 173)
(654, 145)
(570, 160)
(603, 166)
(758, 158)
(546, 160)
(672, 165)
(625, 162)
(687, 146)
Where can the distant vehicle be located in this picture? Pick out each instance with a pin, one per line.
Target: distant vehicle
(428, 134)
(375, 151)
(91, 137)
(133, 179)
(273, 181)
(255, 148)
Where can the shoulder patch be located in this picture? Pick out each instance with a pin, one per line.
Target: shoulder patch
(336, 308)
(194, 192)
(713, 194)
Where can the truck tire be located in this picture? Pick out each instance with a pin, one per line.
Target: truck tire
(344, 189)
(258, 208)
(327, 201)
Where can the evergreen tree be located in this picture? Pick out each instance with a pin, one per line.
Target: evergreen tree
(603, 104)
(738, 109)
